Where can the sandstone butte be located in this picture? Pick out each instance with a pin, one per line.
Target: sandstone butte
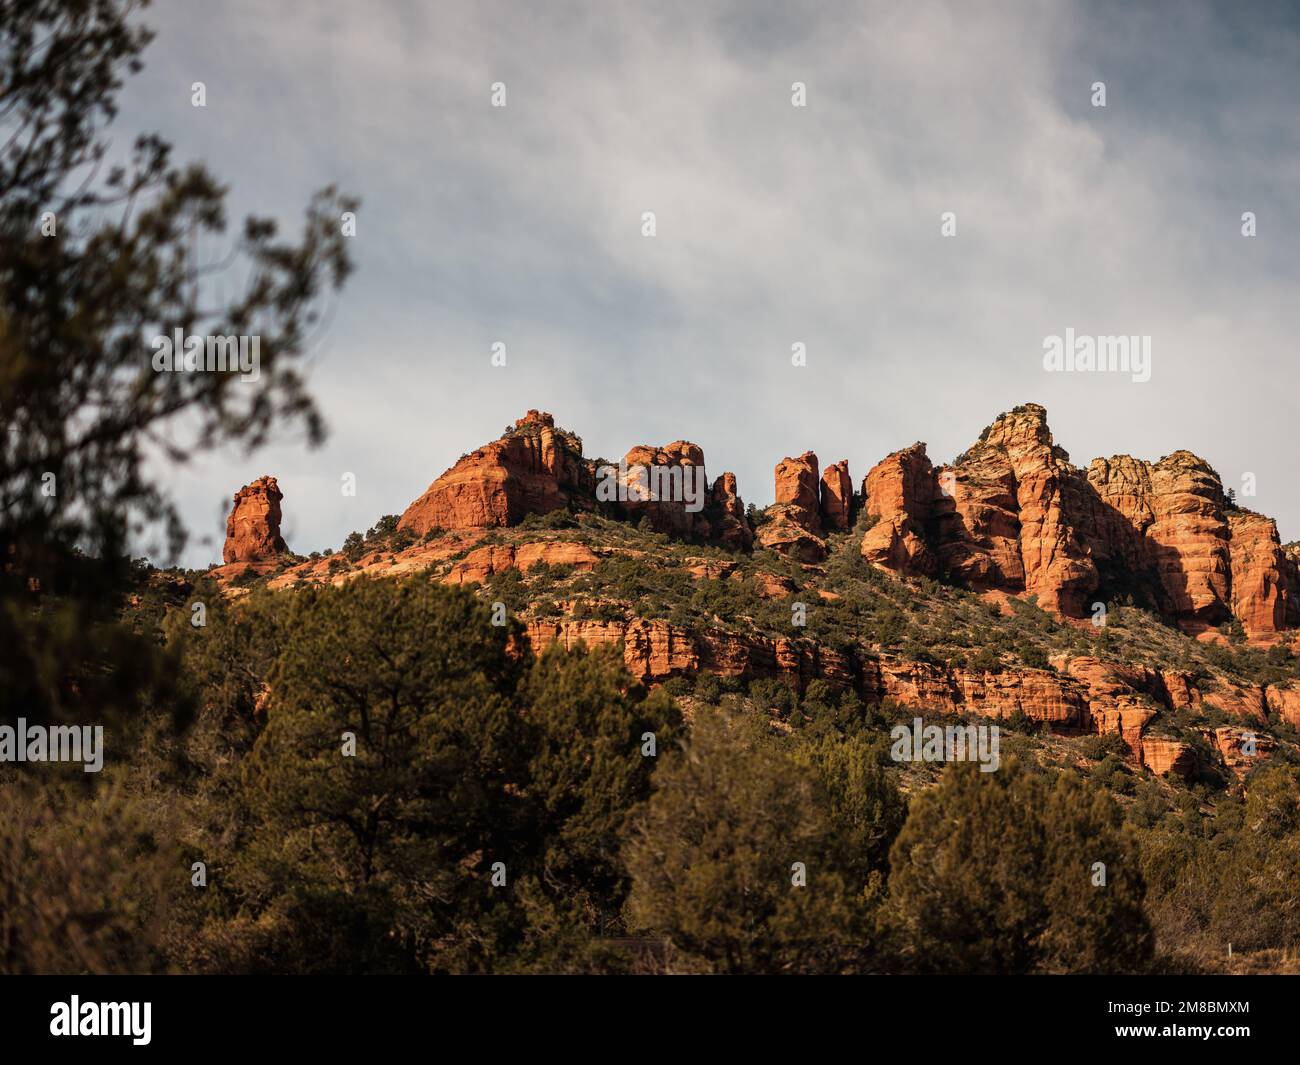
(1012, 516)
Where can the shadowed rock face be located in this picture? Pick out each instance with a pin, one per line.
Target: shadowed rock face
(836, 496)
(253, 528)
(731, 527)
(1168, 530)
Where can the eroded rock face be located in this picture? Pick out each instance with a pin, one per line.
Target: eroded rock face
(1164, 756)
(794, 531)
(1285, 702)
(997, 519)
(1169, 529)
(836, 496)
(899, 492)
(1242, 749)
(1258, 568)
(659, 493)
(1040, 695)
(731, 527)
(253, 528)
(484, 562)
(1006, 515)
(1014, 515)
(796, 481)
(1164, 527)
(1088, 697)
(1057, 567)
(534, 469)
(793, 524)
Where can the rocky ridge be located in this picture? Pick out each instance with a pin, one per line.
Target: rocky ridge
(1010, 518)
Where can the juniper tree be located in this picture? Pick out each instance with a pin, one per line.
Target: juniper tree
(734, 862)
(1015, 872)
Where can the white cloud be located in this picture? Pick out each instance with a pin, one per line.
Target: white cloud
(775, 224)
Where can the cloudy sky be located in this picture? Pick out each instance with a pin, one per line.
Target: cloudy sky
(775, 225)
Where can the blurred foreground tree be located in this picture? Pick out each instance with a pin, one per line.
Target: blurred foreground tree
(96, 259)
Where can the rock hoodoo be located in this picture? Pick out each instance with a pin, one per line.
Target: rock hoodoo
(836, 496)
(899, 492)
(731, 527)
(793, 524)
(253, 528)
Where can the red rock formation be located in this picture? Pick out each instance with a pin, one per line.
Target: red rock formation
(1258, 573)
(792, 530)
(1014, 515)
(796, 482)
(1010, 497)
(899, 491)
(1285, 702)
(1128, 720)
(1207, 561)
(656, 650)
(1245, 701)
(793, 524)
(1119, 515)
(731, 527)
(1040, 695)
(532, 470)
(656, 487)
(996, 520)
(484, 562)
(709, 569)
(1189, 538)
(772, 585)
(836, 496)
(1242, 749)
(1093, 698)
(253, 528)
(1165, 756)
(977, 524)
